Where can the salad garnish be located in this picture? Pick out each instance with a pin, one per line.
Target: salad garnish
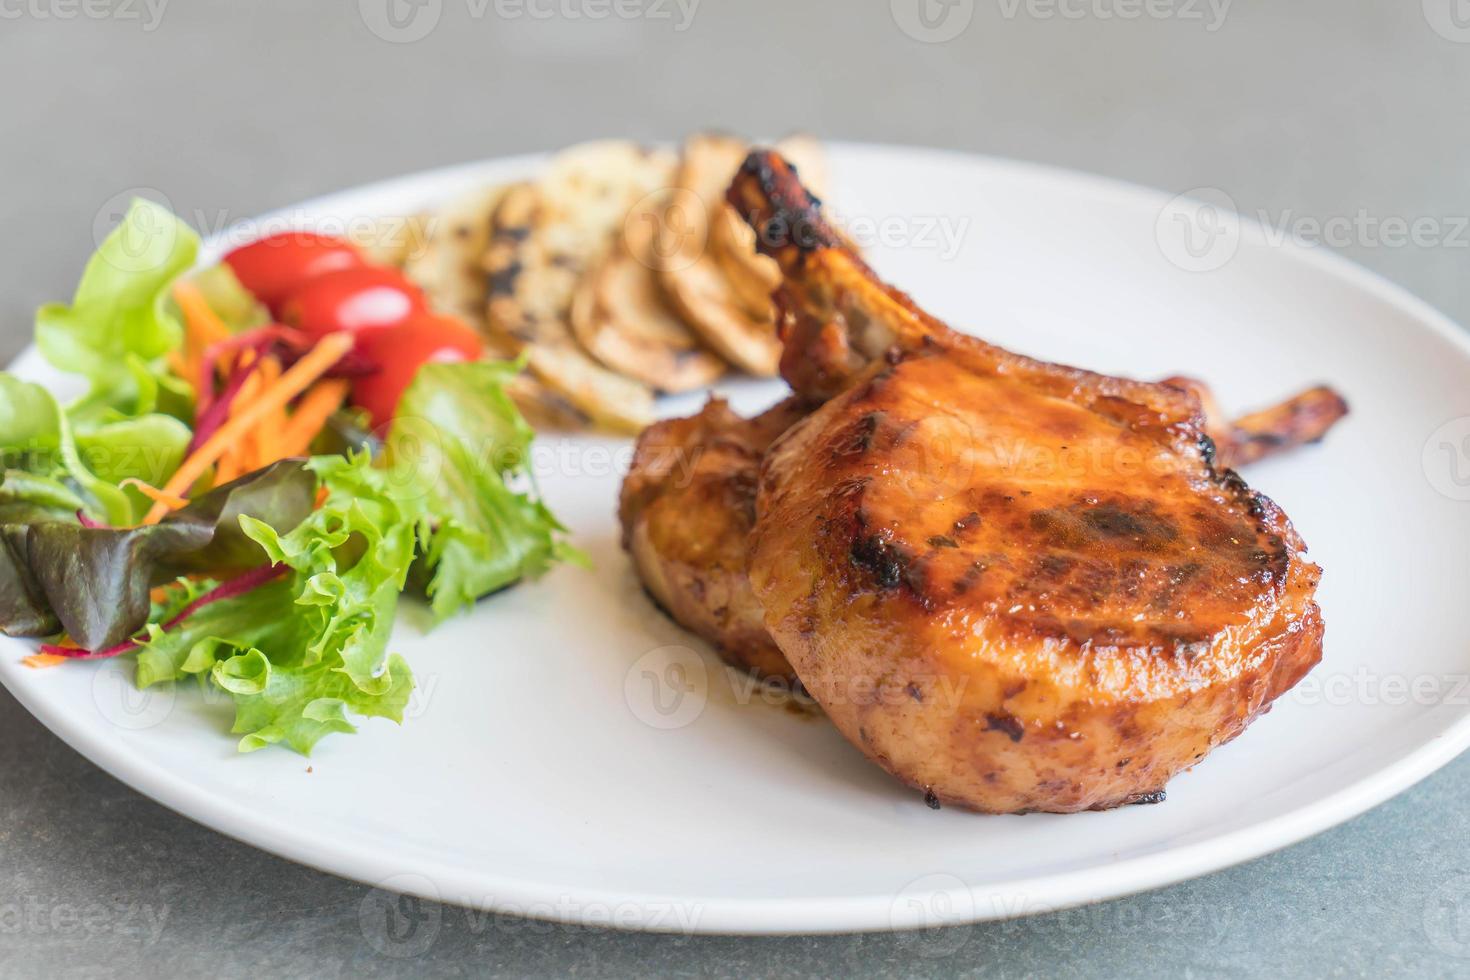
(268, 453)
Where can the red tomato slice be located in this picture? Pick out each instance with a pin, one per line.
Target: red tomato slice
(400, 351)
(274, 266)
(355, 300)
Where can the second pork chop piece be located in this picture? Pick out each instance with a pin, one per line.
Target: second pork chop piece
(1014, 585)
(687, 507)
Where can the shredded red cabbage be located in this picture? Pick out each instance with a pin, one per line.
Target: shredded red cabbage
(238, 585)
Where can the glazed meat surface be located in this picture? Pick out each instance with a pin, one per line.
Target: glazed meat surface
(1014, 585)
(687, 509)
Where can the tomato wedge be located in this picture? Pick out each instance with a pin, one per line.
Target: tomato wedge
(399, 352)
(370, 297)
(273, 267)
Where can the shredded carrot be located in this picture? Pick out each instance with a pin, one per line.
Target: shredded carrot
(170, 500)
(320, 359)
(39, 661)
(310, 416)
(199, 313)
(267, 432)
(228, 468)
(237, 457)
(202, 327)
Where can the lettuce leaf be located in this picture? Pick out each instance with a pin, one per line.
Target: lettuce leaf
(94, 582)
(119, 320)
(115, 333)
(455, 448)
(253, 647)
(301, 653)
(36, 438)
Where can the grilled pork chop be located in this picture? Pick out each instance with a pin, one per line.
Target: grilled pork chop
(688, 503)
(1014, 585)
(688, 507)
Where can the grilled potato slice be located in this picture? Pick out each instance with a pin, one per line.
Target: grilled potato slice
(620, 314)
(396, 240)
(712, 272)
(544, 408)
(448, 267)
(725, 314)
(544, 236)
(609, 400)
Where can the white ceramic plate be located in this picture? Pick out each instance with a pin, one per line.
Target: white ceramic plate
(554, 767)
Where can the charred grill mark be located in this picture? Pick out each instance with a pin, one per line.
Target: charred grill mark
(970, 520)
(1088, 523)
(858, 438)
(1006, 724)
(971, 575)
(1175, 577)
(1208, 450)
(870, 390)
(1231, 481)
(1144, 799)
(886, 561)
(502, 280)
(742, 493)
(943, 541)
(1114, 522)
(1053, 568)
(783, 213)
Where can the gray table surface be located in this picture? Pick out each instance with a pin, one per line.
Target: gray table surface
(1314, 109)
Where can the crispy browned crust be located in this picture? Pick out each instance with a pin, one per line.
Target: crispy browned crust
(1299, 420)
(687, 507)
(1015, 585)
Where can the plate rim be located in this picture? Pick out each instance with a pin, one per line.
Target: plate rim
(488, 892)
